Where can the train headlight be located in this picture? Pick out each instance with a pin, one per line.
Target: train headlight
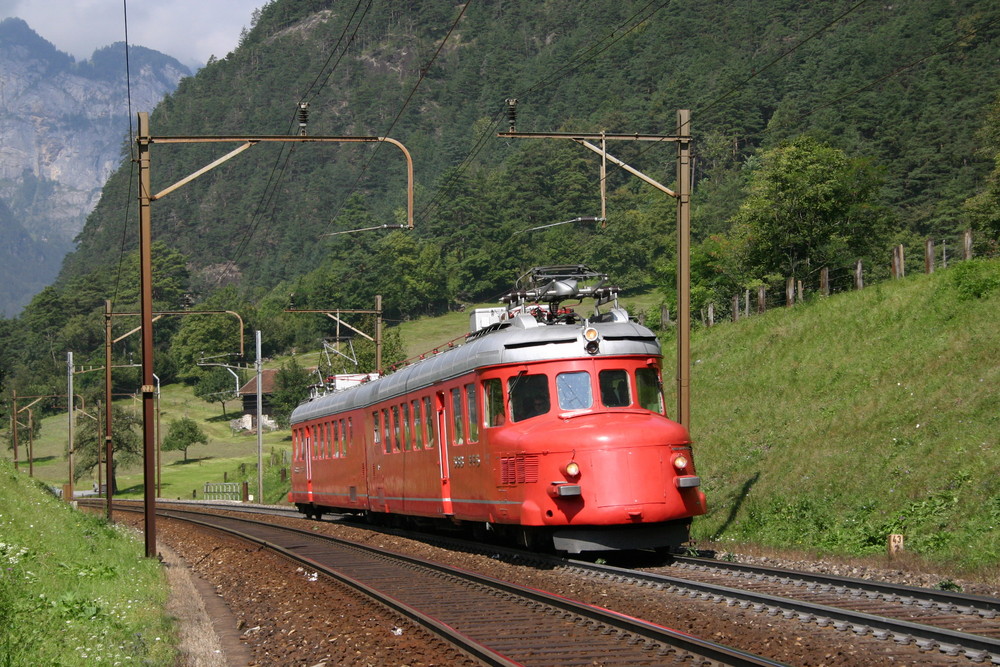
(680, 462)
(593, 340)
(571, 469)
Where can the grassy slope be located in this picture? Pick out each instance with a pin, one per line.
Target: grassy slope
(827, 426)
(836, 423)
(223, 454)
(73, 590)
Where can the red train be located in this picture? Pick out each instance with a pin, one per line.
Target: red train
(546, 427)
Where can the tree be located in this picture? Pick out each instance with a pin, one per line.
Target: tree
(217, 386)
(983, 209)
(291, 387)
(808, 205)
(181, 434)
(126, 443)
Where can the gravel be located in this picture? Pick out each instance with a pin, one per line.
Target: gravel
(286, 617)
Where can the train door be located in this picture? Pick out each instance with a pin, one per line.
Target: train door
(307, 451)
(381, 445)
(441, 425)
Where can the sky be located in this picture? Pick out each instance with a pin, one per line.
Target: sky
(188, 30)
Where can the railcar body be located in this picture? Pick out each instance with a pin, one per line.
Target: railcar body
(545, 426)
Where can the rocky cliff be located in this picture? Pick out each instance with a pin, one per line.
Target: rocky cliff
(63, 128)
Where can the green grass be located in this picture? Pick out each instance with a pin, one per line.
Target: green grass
(221, 457)
(824, 427)
(73, 589)
(830, 425)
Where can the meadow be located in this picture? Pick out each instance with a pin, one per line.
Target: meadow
(824, 427)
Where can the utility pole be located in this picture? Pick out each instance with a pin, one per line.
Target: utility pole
(146, 320)
(108, 460)
(682, 138)
(146, 196)
(69, 402)
(260, 417)
(13, 429)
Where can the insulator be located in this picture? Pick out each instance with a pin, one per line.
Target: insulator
(511, 112)
(303, 117)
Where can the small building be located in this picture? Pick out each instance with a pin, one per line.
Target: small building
(248, 394)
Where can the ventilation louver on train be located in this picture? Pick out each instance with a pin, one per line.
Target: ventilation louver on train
(519, 469)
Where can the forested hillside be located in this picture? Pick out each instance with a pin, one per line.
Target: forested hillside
(823, 132)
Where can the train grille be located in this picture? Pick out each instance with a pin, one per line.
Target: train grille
(519, 469)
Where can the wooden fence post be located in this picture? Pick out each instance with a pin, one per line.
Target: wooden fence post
(761, 299)
(789, 291)
(967, 244)
(736, 307)
(859, 276)
(664, 317)
(929, 256)
(824, 281)
(746, 308)
(898, 262)
(711, 314)
(799, 286)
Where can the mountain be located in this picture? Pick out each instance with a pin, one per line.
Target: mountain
(62, 128)
(905, 86)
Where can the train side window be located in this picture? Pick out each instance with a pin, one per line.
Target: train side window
(457, 432)
(493, 414)
(347, 435)
(377, 429)
(471, 407)
(334, 433)
(296, 444)
(650, 389)
(574, 390)
(395, 428)
(529, 396)
(407, 438)
(386, 431)
(615, 391)
(429, 420)
(418, 426)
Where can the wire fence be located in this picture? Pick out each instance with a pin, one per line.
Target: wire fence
(935, 254)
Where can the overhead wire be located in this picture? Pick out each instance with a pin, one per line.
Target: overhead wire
(576, 61)
(334, 52)
(277, 175)
(896, 72)
(757, 72)
(423, 74)
(131, 136)
(781, 56)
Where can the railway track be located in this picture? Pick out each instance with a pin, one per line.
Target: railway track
(951, 623)
(496, 622)
(966, 627)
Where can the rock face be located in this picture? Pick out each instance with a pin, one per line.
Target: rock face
(63, 129)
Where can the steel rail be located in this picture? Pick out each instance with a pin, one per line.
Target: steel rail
(680, 641)
(926, 637)
(987, 606)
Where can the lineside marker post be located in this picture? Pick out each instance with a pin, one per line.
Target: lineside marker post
(895, 544)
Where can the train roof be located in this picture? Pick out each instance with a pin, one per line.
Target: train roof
(524, 338)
